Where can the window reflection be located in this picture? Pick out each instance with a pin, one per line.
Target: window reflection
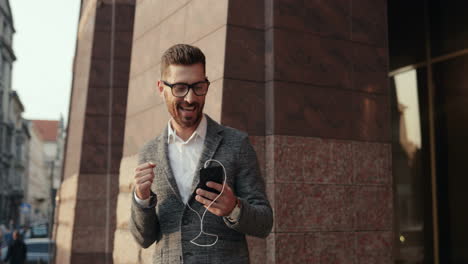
(410, 160)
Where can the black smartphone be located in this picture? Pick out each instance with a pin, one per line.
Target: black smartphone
(214, 174)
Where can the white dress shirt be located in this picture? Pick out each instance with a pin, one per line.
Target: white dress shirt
(183, 157)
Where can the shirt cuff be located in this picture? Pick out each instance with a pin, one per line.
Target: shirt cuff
(142, 203)
(234, 216)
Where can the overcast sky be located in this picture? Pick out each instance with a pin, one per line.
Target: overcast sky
(44, 44)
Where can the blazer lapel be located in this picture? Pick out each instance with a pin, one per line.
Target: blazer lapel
(164, 164)
(212, 140)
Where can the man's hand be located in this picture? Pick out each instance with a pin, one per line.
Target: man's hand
(143, 179)
(223, 205)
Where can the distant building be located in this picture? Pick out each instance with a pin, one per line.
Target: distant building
(45, 167)
(14, 132)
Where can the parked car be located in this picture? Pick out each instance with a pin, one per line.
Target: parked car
(39, 250)
(3, 252)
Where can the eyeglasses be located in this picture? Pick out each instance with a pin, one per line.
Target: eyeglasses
(182, 89)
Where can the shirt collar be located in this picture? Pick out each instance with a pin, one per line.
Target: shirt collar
(200, 132)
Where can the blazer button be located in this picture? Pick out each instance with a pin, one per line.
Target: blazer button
(185, 221)
(188, 254)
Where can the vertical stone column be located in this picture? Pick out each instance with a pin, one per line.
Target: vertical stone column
(159, 25)
(307, 80)
(86, 210)
(243, 101)
(328, 152)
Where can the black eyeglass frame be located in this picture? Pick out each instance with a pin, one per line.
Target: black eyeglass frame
(189, 86)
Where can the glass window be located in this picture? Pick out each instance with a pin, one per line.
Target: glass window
(412, 178)
(448, 22)
(451, 102)
(417, 157)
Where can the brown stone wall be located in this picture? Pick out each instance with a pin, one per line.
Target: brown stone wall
(67, 193)
(328, 152)
(310, 86)
(306, 79)
(159, 25)
(88, 195)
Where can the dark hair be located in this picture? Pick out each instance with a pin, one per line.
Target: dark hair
(181, 54)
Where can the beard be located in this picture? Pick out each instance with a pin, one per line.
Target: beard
(186, 115)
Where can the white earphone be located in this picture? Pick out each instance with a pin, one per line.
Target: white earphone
(202, 217)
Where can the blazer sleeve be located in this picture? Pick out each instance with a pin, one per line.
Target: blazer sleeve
(144, 223)
(256, 215)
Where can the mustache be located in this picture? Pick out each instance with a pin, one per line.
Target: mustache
(185, 104)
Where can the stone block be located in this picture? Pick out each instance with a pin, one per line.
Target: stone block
(370, 69)
(373, 206)
(328, 161)
(145, 52)
(245, 54)
(247, 13)
(94, 158)
(290, 248)
(127, 172)
(310, 59)
(199, 24)
(173, 30)
(99, 74)
(124, 202)
(257, 250)
(374, 247)
(372, 162)
(328, 207)
(369, 22)
(247, 112)
(330, 247)
(126, 250)
(99, 99)
(143, 126)
(289, 155)
(213, 46)
(289, 207)
(94, 186)
(148, 14)
(97, 130)
(143, 91)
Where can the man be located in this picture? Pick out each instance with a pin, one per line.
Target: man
(167, 207)
(16, 250)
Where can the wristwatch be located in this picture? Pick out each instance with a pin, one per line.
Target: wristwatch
(235, 214)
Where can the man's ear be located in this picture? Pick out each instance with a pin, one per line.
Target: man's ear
(160, 88)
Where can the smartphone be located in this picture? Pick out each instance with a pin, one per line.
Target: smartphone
(214, 174)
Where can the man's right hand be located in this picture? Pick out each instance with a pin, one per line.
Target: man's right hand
(143, 179)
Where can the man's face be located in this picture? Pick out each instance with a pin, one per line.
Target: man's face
(187, 111)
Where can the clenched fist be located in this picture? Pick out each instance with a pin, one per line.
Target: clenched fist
(143, 178)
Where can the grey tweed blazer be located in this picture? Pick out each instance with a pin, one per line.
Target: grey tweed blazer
(171, 224)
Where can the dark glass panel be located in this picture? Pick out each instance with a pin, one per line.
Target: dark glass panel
(451, 98)
(406, 27)
(411, 168)
(448, 23)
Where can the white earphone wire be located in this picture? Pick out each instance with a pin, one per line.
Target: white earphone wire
(206, 209)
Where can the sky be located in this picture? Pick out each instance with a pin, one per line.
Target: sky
(44, 44)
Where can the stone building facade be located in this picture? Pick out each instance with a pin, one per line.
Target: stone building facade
(306, 79)
(45, 168)
(14, 131)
